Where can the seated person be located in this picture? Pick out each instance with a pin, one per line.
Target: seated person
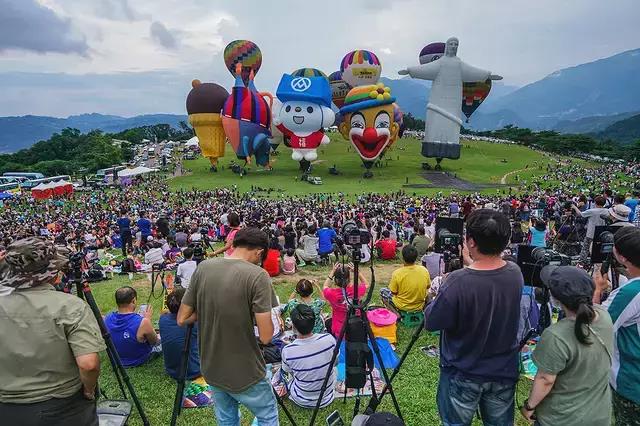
(271, 263)
(307, 360)
(289, 262)
(132, 334)
(309, 250)
(187, 268)
(433, 262)
(302, 294)
(155, 255)
(408, 286)
(326, 237)
(386, 247)
(173, 340)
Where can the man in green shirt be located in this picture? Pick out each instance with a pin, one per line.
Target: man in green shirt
(227, 297)
(421, 242)
(49, 362)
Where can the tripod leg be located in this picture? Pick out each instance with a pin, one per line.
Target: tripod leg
(177, 402)
(323, 389)
(284, 408)
(376, 351)
(110, 347)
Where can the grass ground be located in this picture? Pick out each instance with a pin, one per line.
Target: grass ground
(480, 162)
(415, 386)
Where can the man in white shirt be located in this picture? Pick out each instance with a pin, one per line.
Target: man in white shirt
(186, 268)
(595, 218)
(307, 360)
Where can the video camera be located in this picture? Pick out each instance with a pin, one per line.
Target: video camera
(353, 236)
(531, 260)
(449, 232)
(602, 248)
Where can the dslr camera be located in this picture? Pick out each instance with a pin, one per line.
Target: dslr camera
(449, 236)
(354, 236)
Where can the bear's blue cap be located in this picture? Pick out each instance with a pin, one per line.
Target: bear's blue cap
(308, 89)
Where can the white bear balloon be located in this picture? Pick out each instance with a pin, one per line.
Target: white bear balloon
(305, 112)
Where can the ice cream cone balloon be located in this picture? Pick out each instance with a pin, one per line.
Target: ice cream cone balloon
(204, 103)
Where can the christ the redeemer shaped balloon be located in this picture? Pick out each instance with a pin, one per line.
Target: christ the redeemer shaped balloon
(444, 115)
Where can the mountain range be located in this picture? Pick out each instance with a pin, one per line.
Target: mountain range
(601, 98)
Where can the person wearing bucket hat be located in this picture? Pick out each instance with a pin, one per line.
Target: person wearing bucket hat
(49, 364)
(619, 215)
(573, 356)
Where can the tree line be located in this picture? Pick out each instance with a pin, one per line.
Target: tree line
(71, 151)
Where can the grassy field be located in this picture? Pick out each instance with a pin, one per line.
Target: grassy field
(415, 386)
(480, 162)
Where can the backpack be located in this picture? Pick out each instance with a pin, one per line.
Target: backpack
(517, 236)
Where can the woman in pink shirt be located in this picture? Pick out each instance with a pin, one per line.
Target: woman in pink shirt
(340, 277)
(234, 223)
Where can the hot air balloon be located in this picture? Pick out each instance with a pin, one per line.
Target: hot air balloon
(246, 118)
(204, 103)
(398, 118)
(473, 94)
(339, 88)
(431, 52)
(360, 68)
(308, 72)
(369, 122)
(245, 52)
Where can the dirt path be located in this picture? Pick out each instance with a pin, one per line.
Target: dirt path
(503, 181)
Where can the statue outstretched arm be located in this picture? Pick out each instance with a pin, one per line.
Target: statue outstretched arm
(495, 77)
(471, 73)
(424, 72)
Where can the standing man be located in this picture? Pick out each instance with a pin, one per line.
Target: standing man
(49, 362)
(594, 218)
(477, 310)
(624, 308)
(124, 228)
(144, 225)
(228, 296)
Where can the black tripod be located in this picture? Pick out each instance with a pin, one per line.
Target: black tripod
(84, 292)
(358, 326)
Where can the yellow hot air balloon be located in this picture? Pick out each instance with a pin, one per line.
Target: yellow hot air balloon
(204, 103)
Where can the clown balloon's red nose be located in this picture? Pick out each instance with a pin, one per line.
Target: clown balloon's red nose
(370, 134)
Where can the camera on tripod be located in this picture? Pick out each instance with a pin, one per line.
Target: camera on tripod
(353, 236)
(602, 248)
(449, 239)
(531, 260)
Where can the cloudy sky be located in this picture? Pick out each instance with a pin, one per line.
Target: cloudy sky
(129, 57)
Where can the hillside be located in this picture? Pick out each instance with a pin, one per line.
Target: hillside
(21, 132)
(591, 124)
(625, 131)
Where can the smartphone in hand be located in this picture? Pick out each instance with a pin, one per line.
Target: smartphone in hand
(142, 309)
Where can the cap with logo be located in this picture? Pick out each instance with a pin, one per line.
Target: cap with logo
(307, 89)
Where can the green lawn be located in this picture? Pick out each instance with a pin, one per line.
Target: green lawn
(480, 162)
(415, 385)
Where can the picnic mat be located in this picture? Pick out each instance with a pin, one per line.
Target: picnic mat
(197, 394)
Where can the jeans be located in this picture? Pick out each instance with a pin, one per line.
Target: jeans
(259, 399)
(74, 410)
(459, 398)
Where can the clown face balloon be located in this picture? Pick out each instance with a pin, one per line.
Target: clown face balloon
(369, 122)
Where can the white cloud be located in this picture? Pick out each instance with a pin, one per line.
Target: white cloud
(523, 41)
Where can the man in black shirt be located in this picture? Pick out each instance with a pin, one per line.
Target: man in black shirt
(478, 310)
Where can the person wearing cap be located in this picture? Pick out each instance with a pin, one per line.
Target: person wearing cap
(573, 356)
(49, 362)
(623, 304)
(619, 215)
(478, 312)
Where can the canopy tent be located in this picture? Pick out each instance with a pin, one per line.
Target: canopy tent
(136, 171)
(5, 195)
(194, 141)
(48, 190)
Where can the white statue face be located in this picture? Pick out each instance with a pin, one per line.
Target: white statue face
(451, 48)
(301, 117)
